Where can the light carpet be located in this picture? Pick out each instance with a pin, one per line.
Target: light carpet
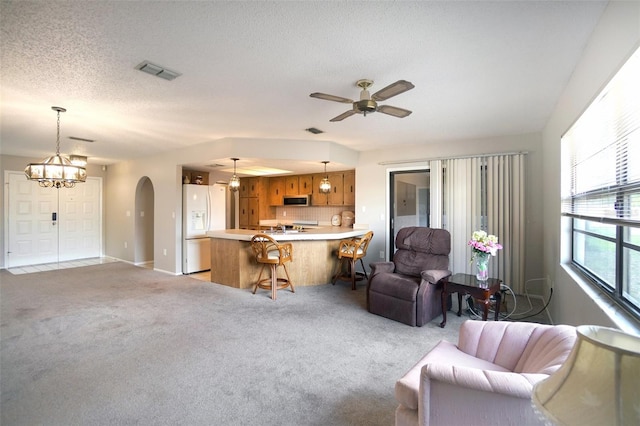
(117, 344)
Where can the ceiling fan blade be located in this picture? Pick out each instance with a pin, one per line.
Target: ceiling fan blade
(391, 90)
(395, 111)
(343, 115)
(331, 98)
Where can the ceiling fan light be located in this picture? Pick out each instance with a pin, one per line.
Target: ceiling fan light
(365, 106)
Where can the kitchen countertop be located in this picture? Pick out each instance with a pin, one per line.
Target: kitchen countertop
(314, 233)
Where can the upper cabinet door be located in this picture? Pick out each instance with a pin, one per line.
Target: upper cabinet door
(305, 184)
(244, 187)
(350, 188)
(254, 187)
(276, 191)
(336, 196)
(318, 198)
(291, 185)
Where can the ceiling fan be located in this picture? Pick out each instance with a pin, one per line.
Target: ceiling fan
(369, 103)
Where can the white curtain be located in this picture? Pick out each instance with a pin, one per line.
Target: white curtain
(487, 193)
(435, 194)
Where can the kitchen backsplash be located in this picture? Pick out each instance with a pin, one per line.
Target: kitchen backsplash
(321, 214)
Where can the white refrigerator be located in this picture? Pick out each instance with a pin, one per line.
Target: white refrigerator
(203, 208)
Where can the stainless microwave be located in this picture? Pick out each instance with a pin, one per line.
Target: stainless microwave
(297, 200)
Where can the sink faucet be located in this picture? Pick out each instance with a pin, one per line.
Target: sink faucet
(284, 228)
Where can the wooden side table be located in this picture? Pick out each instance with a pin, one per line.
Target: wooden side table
(469, 284)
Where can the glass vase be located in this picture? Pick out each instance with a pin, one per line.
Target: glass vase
(482, 265)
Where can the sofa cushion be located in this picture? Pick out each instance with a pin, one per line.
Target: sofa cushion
(407, 388)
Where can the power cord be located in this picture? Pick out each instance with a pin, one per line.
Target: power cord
(541, 310)
(504, 289)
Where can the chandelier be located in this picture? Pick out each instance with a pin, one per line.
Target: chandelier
(325, 185)
(234, 182)
(56, 171)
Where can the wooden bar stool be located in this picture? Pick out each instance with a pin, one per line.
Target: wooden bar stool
(269, 252)
(351, 250)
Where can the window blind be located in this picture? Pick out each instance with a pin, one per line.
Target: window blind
(601, 152)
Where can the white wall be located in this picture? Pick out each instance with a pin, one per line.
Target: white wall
(615, 38)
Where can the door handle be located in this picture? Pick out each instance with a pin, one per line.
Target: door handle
(54, 218)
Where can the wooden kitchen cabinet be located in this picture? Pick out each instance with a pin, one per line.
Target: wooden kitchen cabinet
(244, 188)
(243, 220)
(276, 191)
(257, 187)
(336, 196)
(318, 198)
(254, 202)
(270, 192)
(349, 184)
(305, 184)
(291, 183)
(254, 212)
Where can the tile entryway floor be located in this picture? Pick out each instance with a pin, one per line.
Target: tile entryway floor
(27, 269)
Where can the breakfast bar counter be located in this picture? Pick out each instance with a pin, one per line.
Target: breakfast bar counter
(314, 255)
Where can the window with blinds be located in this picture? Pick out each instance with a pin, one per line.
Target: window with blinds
(601, 187)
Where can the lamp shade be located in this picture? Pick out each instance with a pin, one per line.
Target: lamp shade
(599, 384)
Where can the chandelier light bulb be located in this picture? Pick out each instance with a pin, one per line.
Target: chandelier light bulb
(325, 185)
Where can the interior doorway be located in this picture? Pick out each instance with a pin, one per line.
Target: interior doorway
(409, 194)
(144, 221)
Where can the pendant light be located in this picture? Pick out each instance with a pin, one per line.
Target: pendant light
(56, 171)
(325, 185)
(234, 182)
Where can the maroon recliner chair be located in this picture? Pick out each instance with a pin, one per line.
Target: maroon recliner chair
(408, 289)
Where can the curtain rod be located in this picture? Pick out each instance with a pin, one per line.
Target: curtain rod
(420, 160)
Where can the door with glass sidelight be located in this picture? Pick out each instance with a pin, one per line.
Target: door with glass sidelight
(47, 225)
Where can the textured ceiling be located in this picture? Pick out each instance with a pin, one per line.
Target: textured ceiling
(479, 68)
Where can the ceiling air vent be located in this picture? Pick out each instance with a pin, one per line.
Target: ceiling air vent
(75, 138)
(157, 70)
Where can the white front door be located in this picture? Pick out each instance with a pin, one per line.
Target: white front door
(49, 225)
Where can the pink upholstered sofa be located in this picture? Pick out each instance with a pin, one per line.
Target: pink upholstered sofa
(487, 379)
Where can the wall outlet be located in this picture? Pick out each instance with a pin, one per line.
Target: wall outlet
(164, 251)
(381, 254)
(126, 245)
(284, 213)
